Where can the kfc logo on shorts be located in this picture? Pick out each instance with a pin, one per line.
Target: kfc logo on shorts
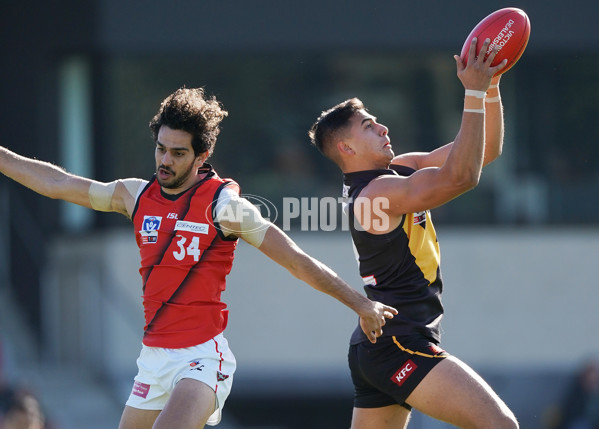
(403, 373)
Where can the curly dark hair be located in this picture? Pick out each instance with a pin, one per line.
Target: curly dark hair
(190, 110)
(332, 122)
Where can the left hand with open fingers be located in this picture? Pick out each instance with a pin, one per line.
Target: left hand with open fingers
(477, 73)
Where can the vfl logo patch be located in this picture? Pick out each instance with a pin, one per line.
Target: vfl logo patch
(149, 229)
(403, 373)
(151, 223)
(220, 376)
(140, 389)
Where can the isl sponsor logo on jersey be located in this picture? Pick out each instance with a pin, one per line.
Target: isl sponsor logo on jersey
(149, 229)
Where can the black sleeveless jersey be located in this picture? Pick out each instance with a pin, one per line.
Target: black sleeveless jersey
(400, 268)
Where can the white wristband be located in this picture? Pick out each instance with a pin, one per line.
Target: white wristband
(493, 99)
(474, 110)
(475, 93)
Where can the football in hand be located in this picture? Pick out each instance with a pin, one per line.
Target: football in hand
(508, 29)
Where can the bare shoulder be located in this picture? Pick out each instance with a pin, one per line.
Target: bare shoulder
(126, 193)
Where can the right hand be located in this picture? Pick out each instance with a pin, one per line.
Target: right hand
(477, 73)
(372, 319)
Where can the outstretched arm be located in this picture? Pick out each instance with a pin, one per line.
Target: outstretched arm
(45, 178)
(281, 249)
(274, 243)
(433, 186)
(54, 182)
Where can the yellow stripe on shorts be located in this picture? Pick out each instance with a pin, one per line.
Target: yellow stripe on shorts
(412, 352)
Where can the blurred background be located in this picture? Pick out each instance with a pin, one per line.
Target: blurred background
(79, 82)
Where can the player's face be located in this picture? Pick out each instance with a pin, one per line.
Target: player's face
(176, 163)
(369, 139)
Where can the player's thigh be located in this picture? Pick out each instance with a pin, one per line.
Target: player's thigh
(189, 407)
(390, 417)
(134, 418)
(455, 393)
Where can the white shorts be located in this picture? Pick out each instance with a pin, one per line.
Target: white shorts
(159, 369)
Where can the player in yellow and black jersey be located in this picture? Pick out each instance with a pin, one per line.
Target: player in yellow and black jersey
(389, 199)
(401, 265)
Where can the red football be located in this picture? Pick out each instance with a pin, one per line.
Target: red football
(508, 28)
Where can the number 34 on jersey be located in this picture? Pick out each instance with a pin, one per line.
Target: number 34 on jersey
(193, 247)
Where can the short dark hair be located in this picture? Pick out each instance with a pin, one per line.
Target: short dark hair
(330, 123)
(190, 110)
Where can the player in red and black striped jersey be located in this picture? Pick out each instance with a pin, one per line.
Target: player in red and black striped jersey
(187, 221)
(388, 203)
(182, 247)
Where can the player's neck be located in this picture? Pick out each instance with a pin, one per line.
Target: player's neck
(364, 166)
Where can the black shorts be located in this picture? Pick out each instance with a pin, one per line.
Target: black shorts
(387, 372)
